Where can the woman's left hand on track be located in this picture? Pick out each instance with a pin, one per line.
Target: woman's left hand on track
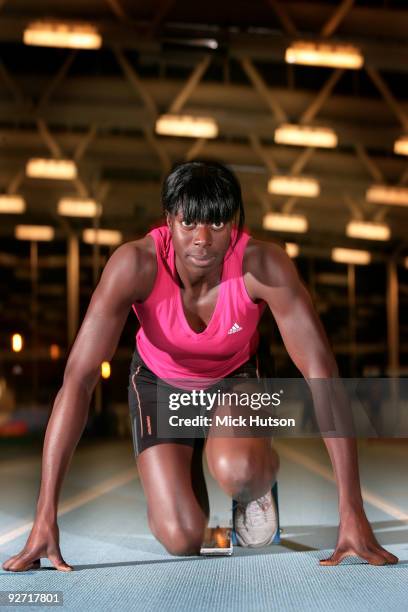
(356, 538)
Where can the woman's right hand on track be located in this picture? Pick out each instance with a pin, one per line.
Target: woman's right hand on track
(43, 541)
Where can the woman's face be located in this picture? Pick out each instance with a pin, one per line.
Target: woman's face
(200, 246)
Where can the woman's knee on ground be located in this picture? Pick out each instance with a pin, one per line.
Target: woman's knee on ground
(180, 536)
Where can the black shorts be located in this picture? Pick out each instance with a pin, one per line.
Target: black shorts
(142, 394)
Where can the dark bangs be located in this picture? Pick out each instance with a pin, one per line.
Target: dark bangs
(205, 192)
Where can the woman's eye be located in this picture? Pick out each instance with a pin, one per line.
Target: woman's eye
(216, 226)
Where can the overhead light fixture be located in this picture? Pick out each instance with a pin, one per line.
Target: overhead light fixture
(186, 125)
(12, 204)
(209, 43)
(294, 186)
(60, 34)
(278, 222)
(368, 230)
(406, 262)
(306, 136)
(401, 146)
(292, 249)
(34, 232)
(324, 54)
(60, 169)
(351, 256)
(16, 342)
(79, 207)
(382, 194)
(102, 236)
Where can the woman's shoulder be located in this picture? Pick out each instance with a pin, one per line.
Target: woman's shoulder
(267, 261)
(136, 261)
(140, 251)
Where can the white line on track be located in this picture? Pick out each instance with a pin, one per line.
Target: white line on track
(77, 500)
(314, 466)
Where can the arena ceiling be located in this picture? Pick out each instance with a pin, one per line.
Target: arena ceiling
(99, 107)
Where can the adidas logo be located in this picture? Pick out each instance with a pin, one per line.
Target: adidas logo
(234, 329)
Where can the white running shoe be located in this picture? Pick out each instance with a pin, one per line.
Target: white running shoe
(256, 523)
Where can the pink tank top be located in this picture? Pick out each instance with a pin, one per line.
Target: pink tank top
(165, 340)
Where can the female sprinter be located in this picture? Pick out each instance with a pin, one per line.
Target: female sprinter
(198, 285)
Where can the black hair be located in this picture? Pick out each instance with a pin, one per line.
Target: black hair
(203, 191)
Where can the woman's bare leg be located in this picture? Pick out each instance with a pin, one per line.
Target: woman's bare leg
(245, 468)
(177, 501)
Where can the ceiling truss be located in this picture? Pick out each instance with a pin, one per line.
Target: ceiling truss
(46, 112)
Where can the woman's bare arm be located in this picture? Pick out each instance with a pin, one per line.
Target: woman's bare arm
(127, 277)
(96, 342)
(271, 276)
